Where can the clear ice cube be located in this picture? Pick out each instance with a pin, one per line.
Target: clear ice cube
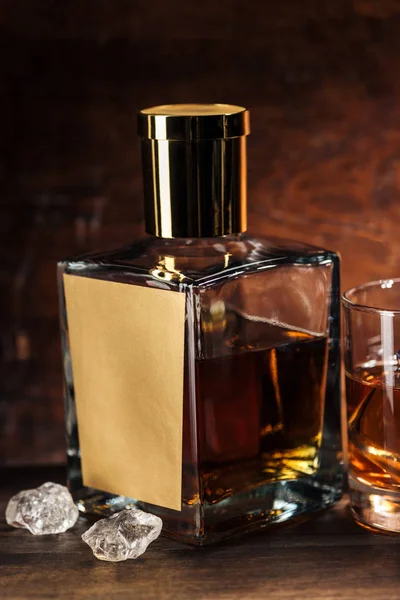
(43, 510)
(123, 535)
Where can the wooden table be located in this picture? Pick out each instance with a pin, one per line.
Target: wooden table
(329, 557)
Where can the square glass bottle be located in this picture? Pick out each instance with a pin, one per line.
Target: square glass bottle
(202, 366)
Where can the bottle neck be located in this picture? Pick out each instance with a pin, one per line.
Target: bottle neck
(214, 244)
(175, 258)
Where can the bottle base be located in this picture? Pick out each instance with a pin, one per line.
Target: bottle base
(267, 505)
(374, 508)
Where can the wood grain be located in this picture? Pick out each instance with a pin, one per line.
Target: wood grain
(327, 558)
(321, 79)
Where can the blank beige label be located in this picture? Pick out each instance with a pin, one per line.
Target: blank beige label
(127, 348)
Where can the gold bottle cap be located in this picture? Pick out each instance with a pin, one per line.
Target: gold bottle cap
(194, 169)
(193, 122)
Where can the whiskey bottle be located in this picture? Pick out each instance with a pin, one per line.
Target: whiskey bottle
(202, 366)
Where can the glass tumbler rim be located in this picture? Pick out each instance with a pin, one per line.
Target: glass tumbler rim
(370, 308)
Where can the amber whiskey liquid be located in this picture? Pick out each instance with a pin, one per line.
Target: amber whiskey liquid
(373, 408)
(260, 407)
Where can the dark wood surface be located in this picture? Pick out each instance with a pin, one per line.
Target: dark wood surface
(329, 557)
(322, 80)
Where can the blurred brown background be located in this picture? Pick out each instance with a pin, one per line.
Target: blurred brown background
(322, 79)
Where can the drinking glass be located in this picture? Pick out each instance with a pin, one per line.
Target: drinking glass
(372, 363)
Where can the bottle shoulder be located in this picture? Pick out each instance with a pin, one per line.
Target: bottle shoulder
(199, 261)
